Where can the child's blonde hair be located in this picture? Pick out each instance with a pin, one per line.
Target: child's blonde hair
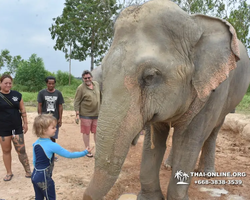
(42, 123)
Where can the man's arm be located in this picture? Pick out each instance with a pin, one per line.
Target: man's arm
(60, 108)
(60, 115)
(77, 103)
(78, 100)
(39, 108)
(39, 100)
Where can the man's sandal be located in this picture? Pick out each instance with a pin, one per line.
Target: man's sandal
(8, 177)
(28, 176)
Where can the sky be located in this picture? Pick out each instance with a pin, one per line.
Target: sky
(24, 30)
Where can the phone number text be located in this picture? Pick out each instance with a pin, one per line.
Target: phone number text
(218, 182)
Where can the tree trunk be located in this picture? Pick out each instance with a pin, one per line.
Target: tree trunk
(92, 50)
(69, 64)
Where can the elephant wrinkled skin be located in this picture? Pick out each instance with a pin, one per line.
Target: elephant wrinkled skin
(166, 67)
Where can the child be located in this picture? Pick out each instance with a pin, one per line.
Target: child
(44, 149)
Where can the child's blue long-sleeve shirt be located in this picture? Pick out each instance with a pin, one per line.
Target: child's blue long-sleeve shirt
(45, 147)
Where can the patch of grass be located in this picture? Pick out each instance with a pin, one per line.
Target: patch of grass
(29, 96)
(244, 104)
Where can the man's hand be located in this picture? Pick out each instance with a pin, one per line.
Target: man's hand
(59, 122)
(77, 119)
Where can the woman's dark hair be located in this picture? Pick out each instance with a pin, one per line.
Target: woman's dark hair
(4, 76)
(86, 72)
(50, 78)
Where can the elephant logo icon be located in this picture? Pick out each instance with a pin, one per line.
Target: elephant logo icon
(181, 177)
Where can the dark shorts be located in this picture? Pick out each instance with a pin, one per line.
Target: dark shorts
(56, 133)
(17, 131)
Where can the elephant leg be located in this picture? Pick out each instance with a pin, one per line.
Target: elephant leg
(151, 162)
(186, 147)
(185, 153)
(207, 158)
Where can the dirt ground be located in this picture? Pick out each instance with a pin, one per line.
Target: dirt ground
(72, 176)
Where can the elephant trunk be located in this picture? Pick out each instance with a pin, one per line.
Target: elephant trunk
(114, 136)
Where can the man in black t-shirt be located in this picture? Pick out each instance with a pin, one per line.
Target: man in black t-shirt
(50, 100)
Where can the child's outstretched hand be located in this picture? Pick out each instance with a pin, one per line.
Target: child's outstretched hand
(89, 149)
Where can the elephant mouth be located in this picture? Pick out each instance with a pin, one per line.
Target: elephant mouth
(155, 118)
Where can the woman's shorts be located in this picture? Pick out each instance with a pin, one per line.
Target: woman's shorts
(88, 125)
(17, 131)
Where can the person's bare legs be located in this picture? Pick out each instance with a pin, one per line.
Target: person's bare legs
(19, 145)
(85, 130)
(86, 142)
(85, 139)
(6, 149)
(93, 128)
(94, 137)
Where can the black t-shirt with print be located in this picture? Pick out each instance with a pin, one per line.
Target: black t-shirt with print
(10, 117)
(50, 101)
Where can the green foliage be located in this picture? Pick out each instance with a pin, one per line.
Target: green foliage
(30, 97)
(5, 57)
(69, 90)
(31, 74)
(245, 103)
(240, 19)
(19, 87)
(237, 12)
(14, 64)
(84, 29)
(62, 78)
(10, 62)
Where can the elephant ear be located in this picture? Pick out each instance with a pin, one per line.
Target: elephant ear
(214, 55)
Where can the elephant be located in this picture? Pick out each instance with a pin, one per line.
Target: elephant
(165, 68)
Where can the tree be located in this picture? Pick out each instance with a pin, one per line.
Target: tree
(12, 63)
(125, 3)
(62, 78)
(16, 61)
(237, 12)
(240, 19)
(5, 58)
(31, 74)
(86, 27)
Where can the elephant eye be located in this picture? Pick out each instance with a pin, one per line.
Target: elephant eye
(148, 79)
(150, 76)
